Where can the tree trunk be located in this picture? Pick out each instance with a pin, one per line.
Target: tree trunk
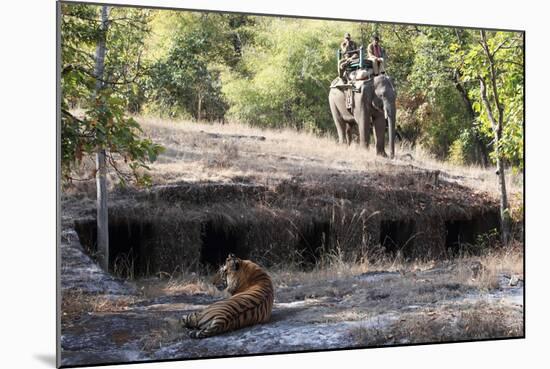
(101, 170)
(498, 125)
(102, 211)
(504, 212)
(199, 105)
(497, 130)
(199, 108)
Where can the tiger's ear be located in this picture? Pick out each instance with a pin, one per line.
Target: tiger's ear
(233, 262)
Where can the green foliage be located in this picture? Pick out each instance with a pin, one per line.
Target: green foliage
(511, 145)
(292, 65)
(446, 122)
(506, 49)
(431, 71)
(447, 130)
(398, 41)
(185, 81)
(104, 123)
(487, 241)
(463, 148)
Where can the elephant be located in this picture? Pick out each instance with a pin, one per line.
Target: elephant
(373, 104)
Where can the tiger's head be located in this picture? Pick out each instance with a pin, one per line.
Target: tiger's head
(231, 275)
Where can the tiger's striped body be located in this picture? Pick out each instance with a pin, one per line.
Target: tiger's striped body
(251, 301)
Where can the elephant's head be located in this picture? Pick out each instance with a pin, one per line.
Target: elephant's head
(384, 90)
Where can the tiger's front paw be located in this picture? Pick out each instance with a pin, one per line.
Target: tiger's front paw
(197, 334)
(188, 321)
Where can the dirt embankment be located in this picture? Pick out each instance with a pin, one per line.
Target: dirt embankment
(275, 196)
(297, 220)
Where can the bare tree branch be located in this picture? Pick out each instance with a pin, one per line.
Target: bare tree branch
(512, 62)
(120, 173)
(483, 90)
(493, 79)
(502, 46)
(116, 81)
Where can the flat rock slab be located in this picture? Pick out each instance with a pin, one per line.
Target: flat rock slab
(275, 337)
(80, 273)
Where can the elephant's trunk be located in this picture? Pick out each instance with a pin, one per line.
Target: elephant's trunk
(389, 112)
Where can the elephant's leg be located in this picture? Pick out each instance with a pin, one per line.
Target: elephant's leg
(341, 131)
(348, 133)
(385, 97)
(362, 114)
(337, 117)
(379, 123)
(364, 126)
(362, 118)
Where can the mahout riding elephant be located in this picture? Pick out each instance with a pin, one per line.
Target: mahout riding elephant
(372, 104)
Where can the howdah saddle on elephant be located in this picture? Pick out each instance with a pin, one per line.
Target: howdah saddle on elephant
(355, 62)
(352, 66)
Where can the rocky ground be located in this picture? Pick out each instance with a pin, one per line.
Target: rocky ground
(106, 320)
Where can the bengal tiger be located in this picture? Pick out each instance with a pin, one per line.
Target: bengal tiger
(250, 303)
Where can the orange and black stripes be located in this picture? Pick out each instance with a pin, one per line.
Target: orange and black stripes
(251, 301)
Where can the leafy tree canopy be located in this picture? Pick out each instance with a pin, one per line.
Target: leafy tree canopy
(105, 122)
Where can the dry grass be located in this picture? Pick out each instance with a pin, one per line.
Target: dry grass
(480, 272)
(334, 265)
(202, 151)
(478, 321)
(76, 303)
(123, 266)
(227, 153)
(178, 284)
(484, 272)
(156, 337)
